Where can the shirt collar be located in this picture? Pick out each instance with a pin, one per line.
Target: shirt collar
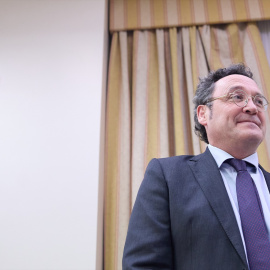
(220, 156)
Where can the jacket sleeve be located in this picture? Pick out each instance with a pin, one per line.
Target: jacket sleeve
(148, 243)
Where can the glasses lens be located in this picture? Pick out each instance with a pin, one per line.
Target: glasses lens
(260, 102)
(239, 97)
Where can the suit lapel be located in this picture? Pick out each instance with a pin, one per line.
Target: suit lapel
(210, 180)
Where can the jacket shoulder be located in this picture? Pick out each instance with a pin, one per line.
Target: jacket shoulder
(181, 160)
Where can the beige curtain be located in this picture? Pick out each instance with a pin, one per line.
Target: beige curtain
(148, 14)
(152, 78)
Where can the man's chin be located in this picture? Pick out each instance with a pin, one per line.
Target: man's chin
(253, 136)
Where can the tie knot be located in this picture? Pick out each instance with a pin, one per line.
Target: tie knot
(238, 164)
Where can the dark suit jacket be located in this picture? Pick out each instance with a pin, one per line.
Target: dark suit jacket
(183, 218)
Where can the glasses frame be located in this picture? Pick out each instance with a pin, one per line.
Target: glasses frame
(264, 108)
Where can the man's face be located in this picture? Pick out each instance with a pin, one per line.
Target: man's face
(229, 126)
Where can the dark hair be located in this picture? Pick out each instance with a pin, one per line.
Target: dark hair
(205, 90)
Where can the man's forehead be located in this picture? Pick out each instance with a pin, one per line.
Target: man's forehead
(235, 80)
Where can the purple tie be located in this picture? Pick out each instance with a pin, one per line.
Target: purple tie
(252, 219)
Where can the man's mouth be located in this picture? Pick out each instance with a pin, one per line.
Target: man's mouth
(257, 123)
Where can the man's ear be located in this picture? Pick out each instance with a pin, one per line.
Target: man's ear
(202, 114)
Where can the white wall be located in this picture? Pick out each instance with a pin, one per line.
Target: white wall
(51, 57)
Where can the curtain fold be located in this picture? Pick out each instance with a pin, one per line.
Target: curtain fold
(152, 78)
(264, 27)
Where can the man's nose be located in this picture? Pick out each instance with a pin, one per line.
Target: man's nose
(250, 107)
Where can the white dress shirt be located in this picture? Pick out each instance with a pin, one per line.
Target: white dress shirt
(229, 174)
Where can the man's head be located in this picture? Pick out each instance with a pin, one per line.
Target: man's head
(219, 118)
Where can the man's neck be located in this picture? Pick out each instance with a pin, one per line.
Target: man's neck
(238, 152)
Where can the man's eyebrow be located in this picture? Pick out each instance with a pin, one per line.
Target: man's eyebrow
(235, 87)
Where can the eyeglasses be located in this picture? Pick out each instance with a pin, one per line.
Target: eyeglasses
(240, 98)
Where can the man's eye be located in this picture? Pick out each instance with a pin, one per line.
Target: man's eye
(237, 97)
(259, 101)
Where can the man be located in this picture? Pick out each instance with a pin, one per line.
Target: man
(205, 212)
